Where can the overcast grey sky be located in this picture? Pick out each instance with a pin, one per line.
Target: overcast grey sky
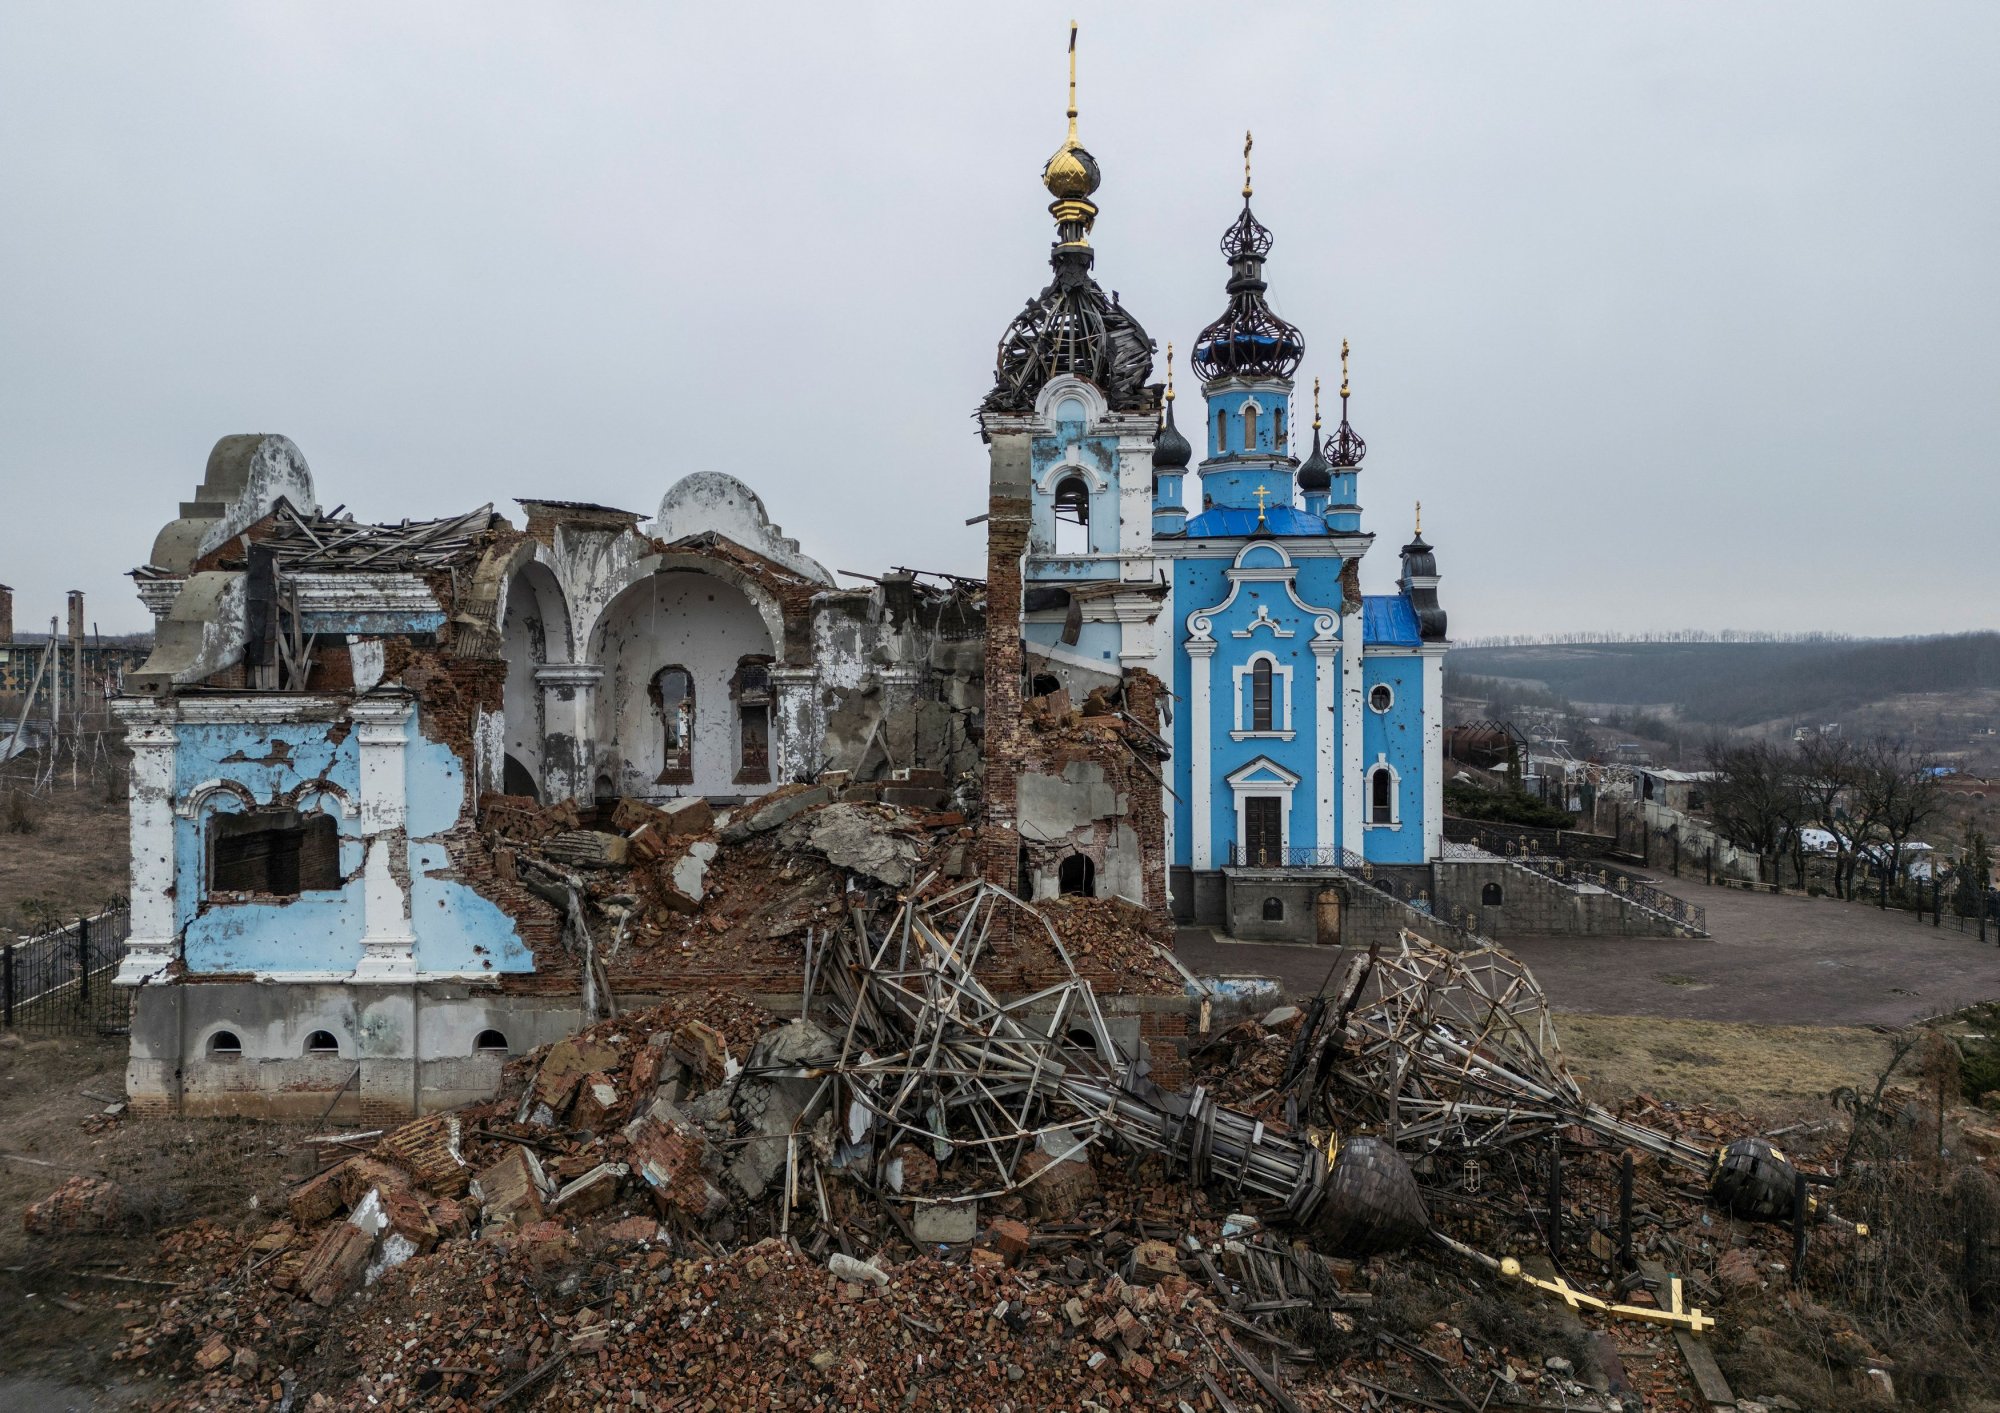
(1672, 314)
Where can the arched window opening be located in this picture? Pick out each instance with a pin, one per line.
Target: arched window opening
(1077, 1038)
(225, 1045)
(672, 692)
(1381, 797)
(1042, 684)
(1278, 423)
(1077, 876)
(321, 1042)
(490, 1042)
(1249, 426)
(517, 779)
(1260, 695)
(1221, 431)
(752, 689)
(1490, 896)
(1274, 910)
(281, 853)
(1381, 697)
(1072, 516)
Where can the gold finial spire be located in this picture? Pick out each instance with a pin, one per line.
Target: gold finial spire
(1170, 370)
(1420, 520)
(1246, 164)
(1072, 84)
(1315, 404)
(1343, 377)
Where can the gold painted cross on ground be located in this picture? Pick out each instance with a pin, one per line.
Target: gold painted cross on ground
(1262, 496)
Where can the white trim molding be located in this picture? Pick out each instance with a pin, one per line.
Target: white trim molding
(1282, 719)
(1395, 820)
(1201, 652)
(1244, 787)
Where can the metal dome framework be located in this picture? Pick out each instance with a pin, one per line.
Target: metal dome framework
(1249, 340)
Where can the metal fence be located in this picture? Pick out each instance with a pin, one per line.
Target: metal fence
(60, 982)
(1626, 885)
(1243, 856)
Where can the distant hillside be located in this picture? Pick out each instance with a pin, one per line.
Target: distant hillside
(1741, 683)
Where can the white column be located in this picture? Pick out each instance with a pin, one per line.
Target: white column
(1326, 707)
(1352, 789)
(1433, 709)
(569, 729)
(149, 731)
(797, 733)
(1200, 773)
(388, 946)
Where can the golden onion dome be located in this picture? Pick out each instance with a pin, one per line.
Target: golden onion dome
(1071, 173)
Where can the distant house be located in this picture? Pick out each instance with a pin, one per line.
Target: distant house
(1676, 789)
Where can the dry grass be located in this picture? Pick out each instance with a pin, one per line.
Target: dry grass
(77, 857)
(1752, 1067)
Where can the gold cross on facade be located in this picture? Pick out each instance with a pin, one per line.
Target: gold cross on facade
(1262, 496)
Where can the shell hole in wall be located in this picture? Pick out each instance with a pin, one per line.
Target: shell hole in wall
(322, 1042)
(490, 1042)
(1077, 875)
(1041, 684)
(225, 1045)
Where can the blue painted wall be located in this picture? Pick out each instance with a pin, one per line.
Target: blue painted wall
(456, 929)
(1397, 737)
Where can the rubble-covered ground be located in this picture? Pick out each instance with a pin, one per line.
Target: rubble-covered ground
(646, 1216)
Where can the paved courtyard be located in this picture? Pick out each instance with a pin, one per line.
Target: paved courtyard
(1772, 960)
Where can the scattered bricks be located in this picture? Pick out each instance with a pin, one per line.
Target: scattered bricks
(986, 1256)
(588, 848)
(82, 1205)
(546, 1247)
(1009, 1238)
(511, 1189)
(275, 1237)
(689, 815)
(667, 1154)
(646, 844)
(214, 1354)
(336, 1264)
(631, 1230)
(1137, 1367)
(245, 1364)
(1151, 1262)
(643, 1074)
(596, 1102)
(428, 1148)
(567, 1062)
(1736, 1270)
(593, 1192)
(1130, 1329)
(1055, 1190)
(451, 1218)
(702, 1049)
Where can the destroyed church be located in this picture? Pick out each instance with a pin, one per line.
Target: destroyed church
(410, 798)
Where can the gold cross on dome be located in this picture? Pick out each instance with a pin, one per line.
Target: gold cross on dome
(1262, 496)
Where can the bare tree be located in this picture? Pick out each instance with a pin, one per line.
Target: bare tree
(1828, 767)
(1897, 793)
(1754, 797)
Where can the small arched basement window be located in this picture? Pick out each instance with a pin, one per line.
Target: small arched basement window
(1274, 910)
(1260, 695)
(225, 1045)
(1381, 796)
(490, 1042)
(322, 1042)
(1072, 516)
(1490, 896)
(1077, 875)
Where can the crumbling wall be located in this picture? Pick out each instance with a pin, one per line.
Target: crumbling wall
(900, 682)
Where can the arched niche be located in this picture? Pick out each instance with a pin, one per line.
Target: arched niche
(534, 631)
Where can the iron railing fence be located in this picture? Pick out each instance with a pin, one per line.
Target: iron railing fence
(1511, 839)
(60, 982)
(1244, 856)
(1626, 885)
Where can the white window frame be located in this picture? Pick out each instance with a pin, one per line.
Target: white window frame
(1281, 687)
(1395, 795)
(1281, 788)
(1389, 706)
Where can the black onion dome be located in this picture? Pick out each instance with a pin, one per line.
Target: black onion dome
(1418, 558)
(1316, 475)
(1171, 451)
(1248, 341)
(1420, 563)
(1071, 327)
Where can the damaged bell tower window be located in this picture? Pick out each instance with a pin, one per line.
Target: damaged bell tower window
(752, 689)
(1072, 516)
(1077, 875)
(281, 853)
(673, 697)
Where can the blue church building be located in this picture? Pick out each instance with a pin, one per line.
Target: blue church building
(1302, 718)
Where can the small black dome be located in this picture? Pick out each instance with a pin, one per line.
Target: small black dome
(1171, 451)
(1316, 475)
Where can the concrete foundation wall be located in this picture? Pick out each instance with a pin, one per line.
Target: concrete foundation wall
(1532, 905)
(413, 1047)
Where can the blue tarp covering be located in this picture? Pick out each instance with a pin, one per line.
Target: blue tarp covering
(1389, 620)
(1228, 523)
